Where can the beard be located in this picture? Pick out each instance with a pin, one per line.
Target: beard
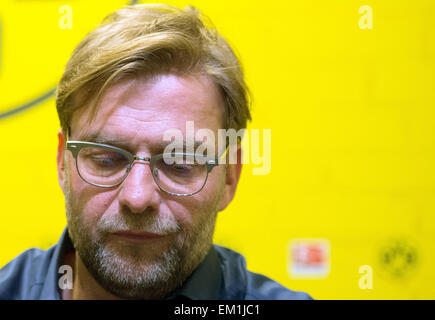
(132, 271)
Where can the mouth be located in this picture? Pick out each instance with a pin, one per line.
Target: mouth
(138, 237)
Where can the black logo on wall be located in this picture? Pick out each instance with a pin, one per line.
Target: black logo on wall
(399, 258)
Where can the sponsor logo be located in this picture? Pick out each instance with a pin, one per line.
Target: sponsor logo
(309, 258)
(399, 258)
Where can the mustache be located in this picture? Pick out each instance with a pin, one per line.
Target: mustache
(158, 224)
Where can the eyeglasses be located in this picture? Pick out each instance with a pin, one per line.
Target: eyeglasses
(178, 174)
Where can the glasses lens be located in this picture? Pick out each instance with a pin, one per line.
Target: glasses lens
(180, 174)
(102, 166)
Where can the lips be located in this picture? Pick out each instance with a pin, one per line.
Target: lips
(134, 236)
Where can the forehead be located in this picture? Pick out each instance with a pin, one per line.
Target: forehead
(140, 109)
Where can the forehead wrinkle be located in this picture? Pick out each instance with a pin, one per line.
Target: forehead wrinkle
(127, 107)
(189, 93)
(145, 117)
(195, 92)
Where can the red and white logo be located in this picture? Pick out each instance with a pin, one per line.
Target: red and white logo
(309, 258)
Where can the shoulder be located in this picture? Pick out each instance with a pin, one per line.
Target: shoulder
(264, 288)
(241, 283)
(24, 274)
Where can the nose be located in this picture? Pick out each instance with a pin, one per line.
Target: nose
(139, 193)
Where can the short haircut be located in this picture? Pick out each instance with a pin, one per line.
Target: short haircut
(146, 40)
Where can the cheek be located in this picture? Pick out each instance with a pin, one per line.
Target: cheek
(89, 201)
(96, 203)
(193, 210)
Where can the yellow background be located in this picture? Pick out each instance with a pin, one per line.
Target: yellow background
(352, 119)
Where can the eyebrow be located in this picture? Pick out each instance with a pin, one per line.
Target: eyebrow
(123, 143)
(104, 139)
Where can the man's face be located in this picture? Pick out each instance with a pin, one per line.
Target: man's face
(134, 239)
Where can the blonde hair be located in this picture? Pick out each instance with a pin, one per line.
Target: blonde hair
(144, 40)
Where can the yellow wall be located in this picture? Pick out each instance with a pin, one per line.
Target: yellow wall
(352, 118)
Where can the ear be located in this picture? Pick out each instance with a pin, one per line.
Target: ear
(232, 178)
(60, 161)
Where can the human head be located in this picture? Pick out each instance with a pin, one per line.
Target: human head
(147, 40)
(145, 70)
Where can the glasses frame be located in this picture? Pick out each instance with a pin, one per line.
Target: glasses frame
(76, 146)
